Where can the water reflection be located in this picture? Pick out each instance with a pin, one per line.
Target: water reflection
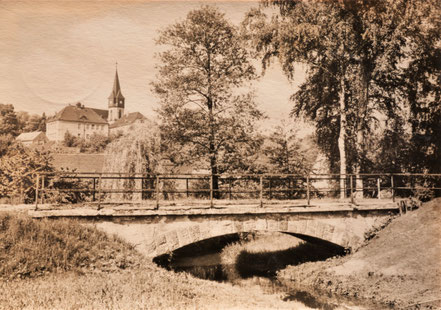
(230, 260)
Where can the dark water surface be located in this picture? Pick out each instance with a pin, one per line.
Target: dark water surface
(204, 261)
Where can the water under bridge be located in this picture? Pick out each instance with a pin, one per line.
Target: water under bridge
(161, 218)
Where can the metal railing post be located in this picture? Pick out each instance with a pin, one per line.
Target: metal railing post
(157, 192)
(378, 188)
(392, 187)
(351, 179)
(308, 191)
(99, 191)
(270, 188)
(261, 191)
(186, 187)
(94, 188)
(37, 182)
(211, 190)
(42, 189)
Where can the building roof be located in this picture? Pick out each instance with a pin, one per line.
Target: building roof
(116, 91)
(79, 162)
(78, 113)
(29, 136)
(128, 119)
(103, 113)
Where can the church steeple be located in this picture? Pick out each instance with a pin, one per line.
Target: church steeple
(116, 100)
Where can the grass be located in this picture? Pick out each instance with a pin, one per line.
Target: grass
(400, 266)
(30, 248)
(61, 264)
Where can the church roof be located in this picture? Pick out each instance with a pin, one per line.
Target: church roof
(128, 119)
(78, 113)
(103, 113)
(116, 91)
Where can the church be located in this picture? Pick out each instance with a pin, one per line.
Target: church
(83, 122)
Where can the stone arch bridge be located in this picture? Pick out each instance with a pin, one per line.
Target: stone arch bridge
(158, 232)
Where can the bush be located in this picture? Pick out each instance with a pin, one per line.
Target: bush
(18, 171)
(30, 248)
(70, 140)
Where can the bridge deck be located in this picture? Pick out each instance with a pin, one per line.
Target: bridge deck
(201, 207)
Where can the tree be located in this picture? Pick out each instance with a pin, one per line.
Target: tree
(8, 120)
(287, 153)
(29, 123)
(18, 170)
(422, 89)
(42, 123)
(70, 140)
(205, 117)
(353, 50)
(138, 153)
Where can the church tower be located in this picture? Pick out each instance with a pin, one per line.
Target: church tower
(116, 101)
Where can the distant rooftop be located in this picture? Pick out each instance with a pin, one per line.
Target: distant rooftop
(128, 119)
(80, 113)
(28, 136)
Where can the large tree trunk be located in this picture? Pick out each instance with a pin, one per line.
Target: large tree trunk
(342, 138)
(213, 157)
(357, 165)
(362, 111)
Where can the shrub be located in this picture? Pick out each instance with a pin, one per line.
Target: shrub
(18, 170)
(30, 247)
(70, 140)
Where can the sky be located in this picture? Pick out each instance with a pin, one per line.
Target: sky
(55, 53)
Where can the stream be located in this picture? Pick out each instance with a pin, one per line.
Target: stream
(248, 262)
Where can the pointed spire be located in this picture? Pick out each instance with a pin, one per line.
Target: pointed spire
(116, 91)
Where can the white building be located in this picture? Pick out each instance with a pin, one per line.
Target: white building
(83, 122)
(78, 120)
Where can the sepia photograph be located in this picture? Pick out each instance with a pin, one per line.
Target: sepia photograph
(222, 154)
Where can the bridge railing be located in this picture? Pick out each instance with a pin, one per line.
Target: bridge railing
(263, 189)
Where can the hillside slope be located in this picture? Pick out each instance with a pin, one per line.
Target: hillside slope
(401, 266)
(61, 264)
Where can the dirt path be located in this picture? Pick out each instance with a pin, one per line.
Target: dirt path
(399, 267)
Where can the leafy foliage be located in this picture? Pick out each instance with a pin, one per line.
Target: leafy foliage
(287, 153)
(18, 170)
(70, 140)
(31, 248)
(29, 123)
(205, 119)
(379, 57)
(8, 120)
(138, 153)
(96, 143)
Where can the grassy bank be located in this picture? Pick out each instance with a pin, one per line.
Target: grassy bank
(59, 264)
(401, 266)
(30, 248)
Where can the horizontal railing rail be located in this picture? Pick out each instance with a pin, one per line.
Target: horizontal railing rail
(75, 187)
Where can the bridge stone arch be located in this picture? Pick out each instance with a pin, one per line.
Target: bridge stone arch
(346, 231)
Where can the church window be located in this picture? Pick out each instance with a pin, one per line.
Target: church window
(93, 126)
(119, 113)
